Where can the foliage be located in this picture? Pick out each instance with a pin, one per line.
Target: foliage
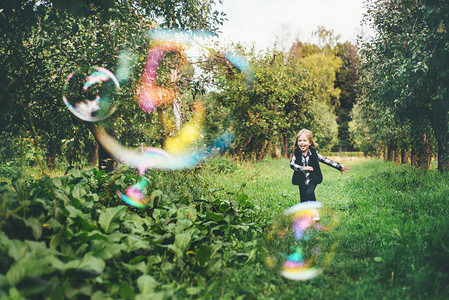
(334, 67)
(347, 83)
(391, 242)
(44, 41)
(270, 109)
(323, 69)
(405, 74)
(70, 237)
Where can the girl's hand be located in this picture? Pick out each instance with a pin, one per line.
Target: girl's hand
(345, 169)
(308, 168)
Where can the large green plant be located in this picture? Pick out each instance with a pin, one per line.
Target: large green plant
(73, 237)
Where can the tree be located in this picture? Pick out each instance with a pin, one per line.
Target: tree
(407, 71)
(44, 41)
(347, 82)
(268, 110)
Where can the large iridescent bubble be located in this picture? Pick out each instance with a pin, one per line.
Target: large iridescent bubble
(298, 246)
(89, 93)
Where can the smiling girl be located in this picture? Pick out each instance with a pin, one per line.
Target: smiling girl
(305, 164)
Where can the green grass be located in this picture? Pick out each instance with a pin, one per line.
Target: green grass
(392, 237)
(203, 236)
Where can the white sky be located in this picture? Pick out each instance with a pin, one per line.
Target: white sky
(258, 21)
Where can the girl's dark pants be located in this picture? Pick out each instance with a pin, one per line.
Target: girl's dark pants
(307, 192)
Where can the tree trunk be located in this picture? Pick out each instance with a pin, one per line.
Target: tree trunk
(51, 153)
(284, 146)
(265, 150)
(240, 148)
(397, 156)
(421, 153)
(413, 157)
(164, 131)
(93, 154)
(404, 156)
(275, 151)
(177, 103)
(443, 153)
(440, 124)
(105, 160)
(74, 151)
(390, 153)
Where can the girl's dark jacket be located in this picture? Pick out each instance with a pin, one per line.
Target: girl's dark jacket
(299, 177)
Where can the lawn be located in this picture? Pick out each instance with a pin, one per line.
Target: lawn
(203, 235)
(392, 234)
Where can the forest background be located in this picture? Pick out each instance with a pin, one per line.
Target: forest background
(313, 86)
(386, 97)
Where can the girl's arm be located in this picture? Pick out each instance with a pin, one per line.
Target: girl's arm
(329, 162)
(295, 166)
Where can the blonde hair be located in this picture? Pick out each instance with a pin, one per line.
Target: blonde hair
(309, 136)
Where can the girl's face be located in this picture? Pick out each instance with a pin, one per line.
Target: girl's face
(303, 143)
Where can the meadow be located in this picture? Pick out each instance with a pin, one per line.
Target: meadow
(202, 236)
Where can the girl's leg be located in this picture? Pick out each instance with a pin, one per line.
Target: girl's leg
(302, 192)
(309, 194)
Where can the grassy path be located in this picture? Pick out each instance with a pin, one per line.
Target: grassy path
(202, 238)
(392, 237)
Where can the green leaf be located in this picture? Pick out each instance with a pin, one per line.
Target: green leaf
(78, 193)
(126, 292)
(105, 250)
(16, 249)
(99, 295)
(134, 243)
(241, 199)
(31, 266)
(203, 254)
(3, 281)
(378, 259)
(182, 242)
(110, 216)
(35, 226)
(182, 225)
(146, 284)
(187, 213)
(33, 286)
(74, 212)
(141, 267)
(214, 216)
(76, 180)
(86, 263)
(193, 290)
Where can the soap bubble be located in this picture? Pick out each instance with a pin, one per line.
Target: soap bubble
(297, 246)
(136, 195)
(89, 93)
(150, 94)
(160, 159)
(172, 62)
(242, 63)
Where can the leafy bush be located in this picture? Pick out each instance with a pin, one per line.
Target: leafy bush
(7, 170)
(71, 237)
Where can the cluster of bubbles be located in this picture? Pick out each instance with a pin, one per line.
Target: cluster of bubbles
(296, 246)
(90, 93)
